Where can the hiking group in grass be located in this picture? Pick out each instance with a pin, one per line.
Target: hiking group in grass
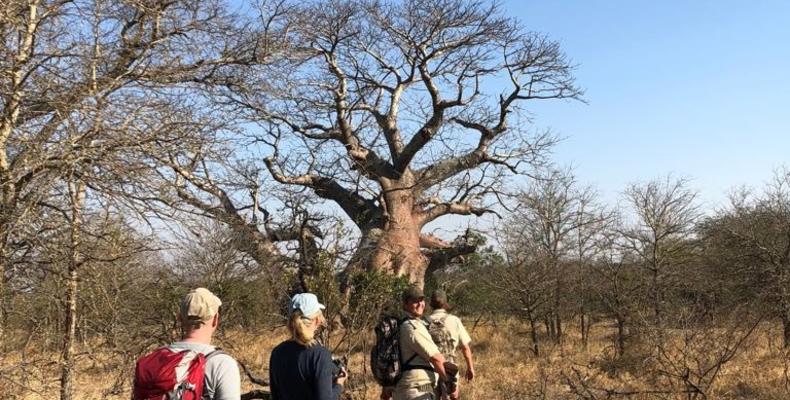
(414, 358)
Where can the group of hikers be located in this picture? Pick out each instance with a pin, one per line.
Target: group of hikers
(413, 359)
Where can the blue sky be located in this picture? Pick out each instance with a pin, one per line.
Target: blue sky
(698, 89)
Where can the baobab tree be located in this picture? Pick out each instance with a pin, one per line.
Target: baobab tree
(399, 113)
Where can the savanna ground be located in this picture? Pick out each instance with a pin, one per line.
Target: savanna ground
(505, 365)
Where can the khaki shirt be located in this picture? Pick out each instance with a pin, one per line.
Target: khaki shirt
(415, 339)
(453, 324)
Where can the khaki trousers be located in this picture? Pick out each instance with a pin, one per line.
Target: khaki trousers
(424, 392)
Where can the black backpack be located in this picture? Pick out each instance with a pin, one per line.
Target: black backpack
(385, 362)
(385, 358)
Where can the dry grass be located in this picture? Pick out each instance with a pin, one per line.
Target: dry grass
(505, 367)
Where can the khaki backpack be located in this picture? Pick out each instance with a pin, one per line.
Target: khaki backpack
(442, 338)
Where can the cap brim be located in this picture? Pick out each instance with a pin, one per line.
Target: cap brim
(321, 306)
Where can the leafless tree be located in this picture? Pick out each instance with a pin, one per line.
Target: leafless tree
(691, 364)
(79, 237)
(557, 222)
(665, 212)
(616, 284)
(396, 113)
(686, 366)
(752, 237)
(80, 82)
(526, 284)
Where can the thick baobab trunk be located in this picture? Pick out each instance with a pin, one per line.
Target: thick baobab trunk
(398, 250)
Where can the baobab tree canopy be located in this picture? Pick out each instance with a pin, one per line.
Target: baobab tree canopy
(399, 113)
(404, 112)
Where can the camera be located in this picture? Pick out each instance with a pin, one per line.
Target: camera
(340, 367)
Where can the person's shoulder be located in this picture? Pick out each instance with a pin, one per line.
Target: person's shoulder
(281, 345)
(201, 348)
(281, 350)
(318, 351)
(287, 346)
(406, 327)
(455, 322)
(219, 353)
(221, 364)
(220, 357)
(415, 327)
(454, 318)
(410, 324)
(316, 355)
(444, 316)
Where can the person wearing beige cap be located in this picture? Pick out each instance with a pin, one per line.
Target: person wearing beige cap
(200, 318)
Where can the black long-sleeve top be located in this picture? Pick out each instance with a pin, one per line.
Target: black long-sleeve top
(297, 372)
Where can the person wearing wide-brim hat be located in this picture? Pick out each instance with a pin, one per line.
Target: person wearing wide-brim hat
(300, 368)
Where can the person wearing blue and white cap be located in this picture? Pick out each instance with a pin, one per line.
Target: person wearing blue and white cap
(300, 368)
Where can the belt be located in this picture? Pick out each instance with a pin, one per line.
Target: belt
(426, 388)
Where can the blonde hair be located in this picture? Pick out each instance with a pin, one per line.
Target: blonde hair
(301, 327)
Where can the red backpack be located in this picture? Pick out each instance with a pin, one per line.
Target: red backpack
(165, 374)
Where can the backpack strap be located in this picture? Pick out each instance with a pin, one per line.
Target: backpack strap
(217, 351)
(411, 367)
(406, 366)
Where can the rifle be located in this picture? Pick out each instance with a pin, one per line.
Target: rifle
(445, 388)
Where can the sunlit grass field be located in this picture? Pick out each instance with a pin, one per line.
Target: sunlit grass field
(505, 367)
